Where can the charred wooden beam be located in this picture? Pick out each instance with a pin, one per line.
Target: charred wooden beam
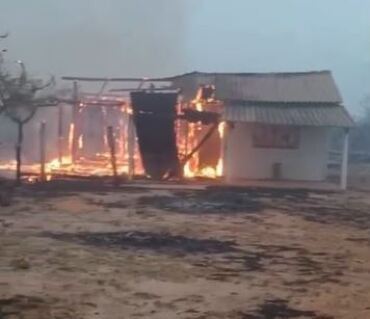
(60, 133)
(42, 151)
(204, 117)
(75, 121)
(192, 116)
(112, 149)
(169, 88)
(93, 79)
(107, 103)
(131, 136)
(205, 138)
(200, 144)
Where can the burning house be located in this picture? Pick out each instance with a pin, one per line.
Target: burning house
(234, 126)
(275, 125)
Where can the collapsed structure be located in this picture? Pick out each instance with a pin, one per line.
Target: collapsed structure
(238, 126)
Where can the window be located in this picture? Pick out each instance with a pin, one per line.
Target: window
(276, 136)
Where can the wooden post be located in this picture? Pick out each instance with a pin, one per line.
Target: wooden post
(228, 131)
(131, 147)
(122, 137)
(75, 121)
(222, 150)
(344, 170)
(60, 134)
(112, 148)
(18, 153)
(186, 137)
(42, 151)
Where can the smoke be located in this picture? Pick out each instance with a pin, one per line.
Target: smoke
(100, 38)
(90, 38)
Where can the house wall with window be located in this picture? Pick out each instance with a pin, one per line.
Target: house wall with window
(256, 151)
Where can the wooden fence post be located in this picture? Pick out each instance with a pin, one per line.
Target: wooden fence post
(60, 134)
(112, 149)
(75, 121)
(42, 151)
(131, 147)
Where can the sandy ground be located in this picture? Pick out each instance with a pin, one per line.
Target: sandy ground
(359, 176)
(137, 253)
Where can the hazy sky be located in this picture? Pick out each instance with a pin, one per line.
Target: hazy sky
(165, 37)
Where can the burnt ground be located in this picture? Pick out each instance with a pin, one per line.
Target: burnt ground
(80, 250)
(313, 206)
(159, 243)
(279, 308)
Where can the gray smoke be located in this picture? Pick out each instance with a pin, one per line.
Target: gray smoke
(107, 38)
(98, 38)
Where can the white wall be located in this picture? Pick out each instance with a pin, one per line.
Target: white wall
(244, 161)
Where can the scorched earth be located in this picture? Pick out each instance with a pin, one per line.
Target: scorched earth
(74, 249)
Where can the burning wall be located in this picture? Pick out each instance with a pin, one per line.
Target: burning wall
(92, 156)
(167, 134)
(208, 161)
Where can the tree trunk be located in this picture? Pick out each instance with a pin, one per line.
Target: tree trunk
(18, 153)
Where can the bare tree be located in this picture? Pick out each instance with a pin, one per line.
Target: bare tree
(20, 99)
(3, 75)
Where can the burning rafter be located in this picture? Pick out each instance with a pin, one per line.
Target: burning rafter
(100, 102)
(154, 89)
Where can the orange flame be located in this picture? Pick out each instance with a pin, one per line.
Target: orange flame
(70, 136)
(100, 164)
(80, 142)
(220, 164)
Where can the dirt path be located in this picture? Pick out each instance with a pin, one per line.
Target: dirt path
(185, 254)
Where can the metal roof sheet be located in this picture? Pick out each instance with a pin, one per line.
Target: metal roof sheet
(317, 86)
(307, 114)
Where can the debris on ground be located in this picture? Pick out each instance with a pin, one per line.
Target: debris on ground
(159, 242)
(6, 193)
(278, 308)
(21, 264)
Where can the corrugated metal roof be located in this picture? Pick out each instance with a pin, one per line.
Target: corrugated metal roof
(307, 114)
(318, 86)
